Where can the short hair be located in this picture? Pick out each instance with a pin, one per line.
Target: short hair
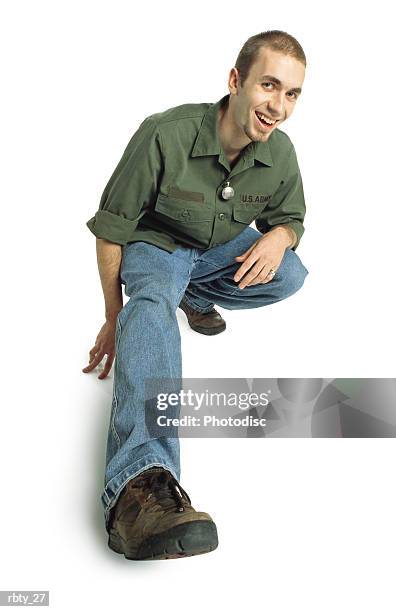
(272, 39)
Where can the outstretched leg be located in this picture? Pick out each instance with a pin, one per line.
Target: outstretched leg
(147, 347)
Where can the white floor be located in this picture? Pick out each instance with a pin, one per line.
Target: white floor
(302, 523)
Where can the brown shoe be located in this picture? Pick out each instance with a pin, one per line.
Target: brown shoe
(153, 519)
(208, 323)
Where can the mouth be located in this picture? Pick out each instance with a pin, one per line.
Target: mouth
(265, 122)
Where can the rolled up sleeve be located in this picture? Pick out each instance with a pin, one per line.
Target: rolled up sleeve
(131, 188)
(287, 205)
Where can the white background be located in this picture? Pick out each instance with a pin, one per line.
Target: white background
(303, 524)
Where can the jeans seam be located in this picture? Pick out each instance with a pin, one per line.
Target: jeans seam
(236, 290)
(189, 301)
(113, 427)
(210, 263)
(195, 256)
(166, 345)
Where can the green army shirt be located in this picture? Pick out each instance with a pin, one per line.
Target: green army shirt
(167, 187)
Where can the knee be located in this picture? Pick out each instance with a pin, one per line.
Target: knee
(156, 284)
(291, 273)
(150, 301)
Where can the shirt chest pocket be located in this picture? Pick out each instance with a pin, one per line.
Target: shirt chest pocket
(189, 221)
(246, 212)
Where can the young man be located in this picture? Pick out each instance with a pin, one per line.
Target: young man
(173, 226)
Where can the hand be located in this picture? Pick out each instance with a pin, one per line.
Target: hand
(104, 344)
(266, 253)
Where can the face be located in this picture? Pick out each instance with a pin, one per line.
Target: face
(271, 89)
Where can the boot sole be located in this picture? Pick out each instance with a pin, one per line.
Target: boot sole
(208, 331)
(186, 540)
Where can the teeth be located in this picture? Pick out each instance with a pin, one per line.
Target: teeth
(271, 121)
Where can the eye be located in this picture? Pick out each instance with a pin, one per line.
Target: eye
(267, 83)
(293, 93)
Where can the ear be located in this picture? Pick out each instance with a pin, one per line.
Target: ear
(233, 80)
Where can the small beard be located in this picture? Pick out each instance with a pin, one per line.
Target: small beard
(256, 136)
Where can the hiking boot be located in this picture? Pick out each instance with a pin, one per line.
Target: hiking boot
(153, 519)
(208, 323)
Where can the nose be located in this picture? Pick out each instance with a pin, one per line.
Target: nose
(276, 105)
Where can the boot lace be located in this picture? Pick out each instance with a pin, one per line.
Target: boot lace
(166, 491)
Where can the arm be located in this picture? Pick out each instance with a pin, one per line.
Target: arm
(281, 223)
(132, 187)
(128, 193)
(109, 259)
(285, 211)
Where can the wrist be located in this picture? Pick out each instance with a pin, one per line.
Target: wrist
(285, 235)
(113, 301)
(111, 317)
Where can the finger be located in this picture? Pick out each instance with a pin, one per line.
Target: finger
(91, 358)
(259, 280)
(93, 352)
(107, 367)
(254, 277)
(88, 367)
(268, 278)
(246, 254)
(271, 272)
(94, 362)
(245, 267)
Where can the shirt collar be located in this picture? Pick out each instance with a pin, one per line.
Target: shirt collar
(208, 143)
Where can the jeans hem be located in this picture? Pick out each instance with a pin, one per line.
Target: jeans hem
(117, 483)
(197, 308)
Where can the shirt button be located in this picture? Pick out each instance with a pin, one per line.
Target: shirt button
(221, 216)
(185, 213)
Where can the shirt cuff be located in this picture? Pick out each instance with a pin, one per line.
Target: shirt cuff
(112, 227)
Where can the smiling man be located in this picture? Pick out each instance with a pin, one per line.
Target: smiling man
(173, 227)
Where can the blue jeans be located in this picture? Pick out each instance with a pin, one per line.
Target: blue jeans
(148, 339)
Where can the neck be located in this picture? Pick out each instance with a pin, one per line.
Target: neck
(232, 138)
